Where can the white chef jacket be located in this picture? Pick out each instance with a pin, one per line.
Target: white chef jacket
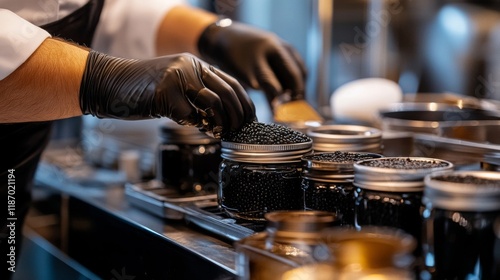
(127, 28)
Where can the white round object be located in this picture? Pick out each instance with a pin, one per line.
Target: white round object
(361, 100)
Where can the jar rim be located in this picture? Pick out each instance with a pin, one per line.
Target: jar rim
(355, 132)
(254, 153)
(394, 179)
(310, 162)
(463, 196)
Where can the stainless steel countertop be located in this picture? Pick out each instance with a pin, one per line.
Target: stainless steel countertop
(110, 197)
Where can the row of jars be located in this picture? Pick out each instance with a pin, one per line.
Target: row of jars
(455, 227)
(452, 222)
(450, 216)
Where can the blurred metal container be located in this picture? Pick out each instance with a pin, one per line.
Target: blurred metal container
(429, 117)
(292, 239)
(346, 138)
(372, 252)
(464, 143)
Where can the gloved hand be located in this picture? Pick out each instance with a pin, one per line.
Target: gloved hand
(259, 59)
(180, 87)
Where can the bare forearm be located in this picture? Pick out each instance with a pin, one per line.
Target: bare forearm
(46, 86)
(181, 28)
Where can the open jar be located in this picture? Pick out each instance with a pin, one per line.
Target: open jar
(389, 191)
(327, 182)
(256, 179)
(188, 159)
(292, 240)
(460, 216)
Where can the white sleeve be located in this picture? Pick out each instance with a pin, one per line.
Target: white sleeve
(128, 28)
(18, 40)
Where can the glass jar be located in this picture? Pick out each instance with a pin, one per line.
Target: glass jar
(373, 252)
(461, 209)
(292, 239)
(389, 191)
(188, 159)
(327, 182)
(256, 179)
(346, 138)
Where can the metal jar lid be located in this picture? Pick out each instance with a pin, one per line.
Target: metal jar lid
(173, 133)
(255, 153)
(451, 190)
(351, 138)
(334, 166)
(400, 178)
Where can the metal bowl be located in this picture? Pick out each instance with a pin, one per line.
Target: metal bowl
(429, 117)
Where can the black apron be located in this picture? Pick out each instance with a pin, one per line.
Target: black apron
(22, 144)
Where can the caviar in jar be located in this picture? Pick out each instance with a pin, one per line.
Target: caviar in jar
(260, 170)
(461, 209)
(389, 191)
(327, 182)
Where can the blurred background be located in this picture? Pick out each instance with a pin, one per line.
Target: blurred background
(425, 46)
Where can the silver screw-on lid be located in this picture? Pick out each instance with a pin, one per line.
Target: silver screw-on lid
(396, 174)
(332, 166)
(255, 153)
(463, 190)
(351, 138)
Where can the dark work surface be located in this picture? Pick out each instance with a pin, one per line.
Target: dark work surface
(107, 235)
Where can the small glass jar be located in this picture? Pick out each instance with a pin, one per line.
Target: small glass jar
(292, 239)
(188, 159)
(346, 138)
(461, 209)
(256, 179)
(327, 182)
(373, 252)
(389, 191)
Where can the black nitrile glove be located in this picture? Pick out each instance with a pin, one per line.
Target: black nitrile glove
(259, 59)
(180, 87)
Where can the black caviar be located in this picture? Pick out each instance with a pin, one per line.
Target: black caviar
(327, 182)
(340, 157)
(459, 239)
(393, 209)
(254, 181)
(468, 179)
(404, 163)
(250, 191)
(389, 192)
(265, 134)
(463, 244)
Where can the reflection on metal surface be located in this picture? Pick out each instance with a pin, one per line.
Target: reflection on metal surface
(428, 117)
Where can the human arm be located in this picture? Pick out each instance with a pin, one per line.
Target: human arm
(61, 80)
(44, 88)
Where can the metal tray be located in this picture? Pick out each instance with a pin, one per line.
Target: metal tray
(199, 210)
(154, 197)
